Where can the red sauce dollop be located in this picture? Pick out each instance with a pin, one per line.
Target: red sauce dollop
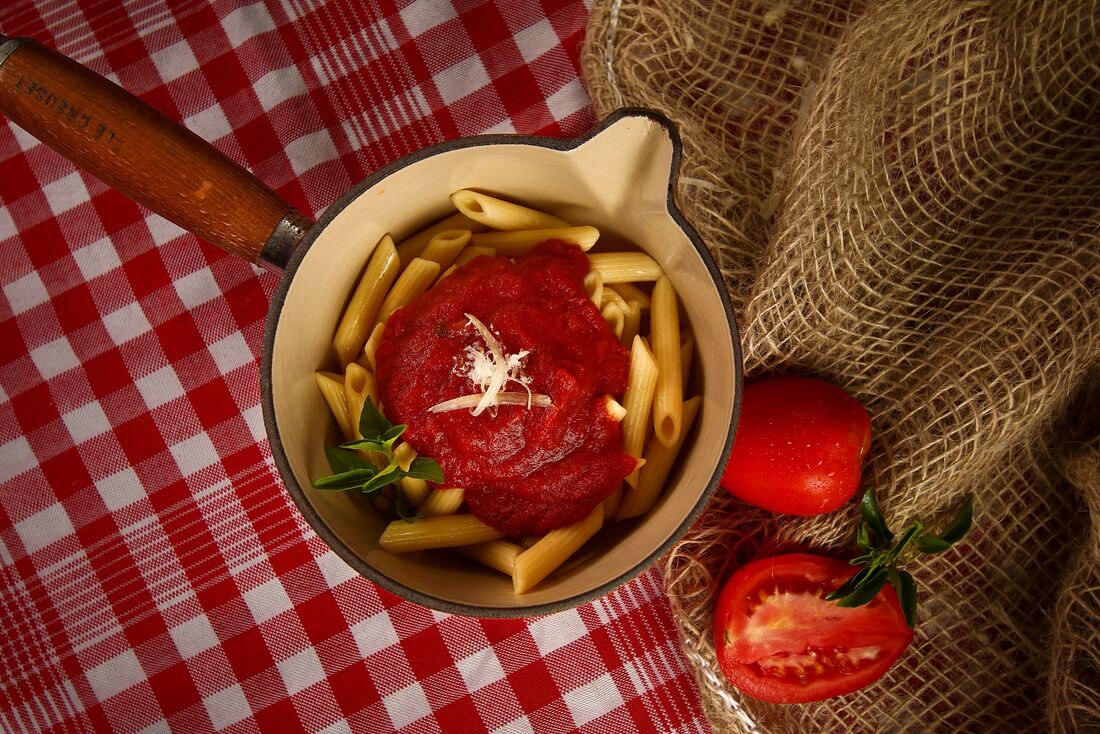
(525, 470)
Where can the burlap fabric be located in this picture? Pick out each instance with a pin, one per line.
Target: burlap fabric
(904, 198)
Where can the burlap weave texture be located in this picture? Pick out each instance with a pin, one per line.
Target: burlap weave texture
(904, 198)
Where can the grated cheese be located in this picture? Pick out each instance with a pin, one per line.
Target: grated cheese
(490, 372)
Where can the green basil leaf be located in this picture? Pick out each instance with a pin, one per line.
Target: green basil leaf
(849, 586)
(907, 597)
(911, 532)
(342, 461)
(424, 468)
(872, 515)
(960, 524)
(365, 444)
(344, 480)
(389, 475)
(393, 433)
(372, 424)
(931, 544)
(866, 591)
(863, 540)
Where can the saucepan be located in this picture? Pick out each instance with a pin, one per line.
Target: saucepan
(620, 178)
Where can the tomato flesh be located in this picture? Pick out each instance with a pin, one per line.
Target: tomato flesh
(779, 640)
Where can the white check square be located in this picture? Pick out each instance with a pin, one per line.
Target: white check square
(160, 387)
(593, 700)
(175, 61)
(407, 705)
(126, 323)
(227, 707)
(26, 293)
(97, 258)
(267, 601)
(194, 636)
(85, 422)
(66, 193)
(44, 527)
(301, 671)
(116, 675)
(55, 357)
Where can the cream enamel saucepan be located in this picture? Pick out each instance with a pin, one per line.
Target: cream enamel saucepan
(619, 178)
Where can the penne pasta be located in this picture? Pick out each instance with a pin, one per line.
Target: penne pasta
(332, 390)
(471, 252)
(615, 318)
(516, 242)
(359, 316)
(658, 463)
(416, 490)
(358, 386)
(625, 267)
(593, 286)
(612, 501)
(500, 214)
(444, 531)
(371, 347)
(540, 560)
(445, 246)
(631, 292)
(632, 322)
(668, 396)
(638, 400)
(442, 502)
(496, 554)
(413, 281)
(414, 245)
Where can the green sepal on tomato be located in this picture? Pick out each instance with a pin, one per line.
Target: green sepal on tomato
(779, 640)
(799, 446)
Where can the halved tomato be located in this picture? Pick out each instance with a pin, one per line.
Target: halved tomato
(779, 640)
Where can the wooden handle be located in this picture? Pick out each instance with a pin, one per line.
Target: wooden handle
(140, 152)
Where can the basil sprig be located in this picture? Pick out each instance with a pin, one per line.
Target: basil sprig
(354, 471)
(882, 555)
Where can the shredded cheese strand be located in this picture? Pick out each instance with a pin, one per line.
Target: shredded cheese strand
(502, 398)
(500, 366)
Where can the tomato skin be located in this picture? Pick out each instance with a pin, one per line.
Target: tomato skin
(799, 446)
(793, 646)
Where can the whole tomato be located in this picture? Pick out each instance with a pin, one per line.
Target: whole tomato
(779, 640)
(799, 446)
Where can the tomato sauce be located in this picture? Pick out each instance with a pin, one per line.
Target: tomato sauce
(525, 470)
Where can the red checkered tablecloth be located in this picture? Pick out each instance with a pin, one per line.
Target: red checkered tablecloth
(154, 574)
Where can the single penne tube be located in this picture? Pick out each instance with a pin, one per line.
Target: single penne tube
(625, 267)
(614, 317)
(332, 390)
(540, 560)
(413, 245)
(371, 347)
(444, 247)
(496, 554)
(359, 316)
(517, 242)
(442, 502)
(612, 501)
(631, 292)
(658, 463)
(609, 295)
(359, 385)
(471, 252)
(500, 214)
(632, 322)
(638, 401)
(668, 396)
(614, 409)
(444, 531)
(412, 282)
(416, 490)
(593, 286)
